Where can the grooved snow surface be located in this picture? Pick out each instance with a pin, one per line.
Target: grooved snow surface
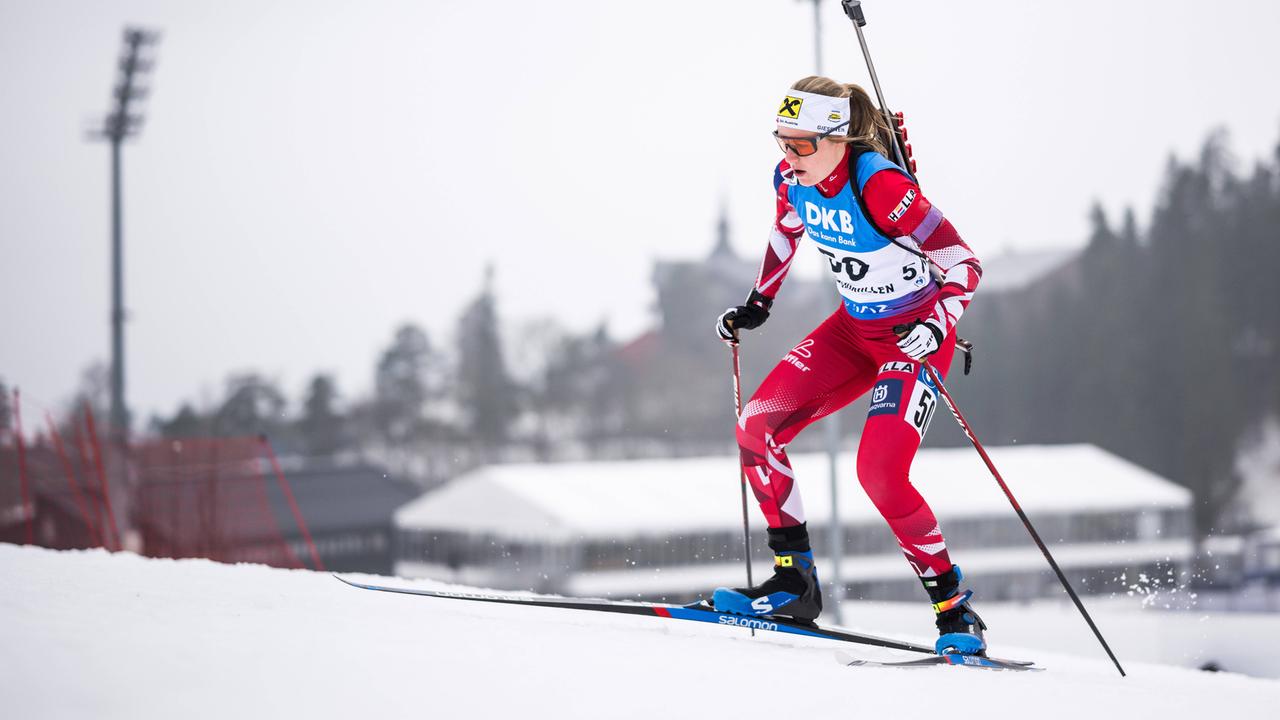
(88, 634)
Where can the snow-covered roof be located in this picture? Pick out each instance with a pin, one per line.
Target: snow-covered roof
(662, 497)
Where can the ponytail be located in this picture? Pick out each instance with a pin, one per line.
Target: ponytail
(867, 126)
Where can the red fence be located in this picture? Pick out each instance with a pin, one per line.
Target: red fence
(225, 499)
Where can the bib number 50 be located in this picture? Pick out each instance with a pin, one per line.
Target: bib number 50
(848, 264)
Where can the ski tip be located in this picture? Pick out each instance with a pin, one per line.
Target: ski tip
(345, 581)
(845, 658)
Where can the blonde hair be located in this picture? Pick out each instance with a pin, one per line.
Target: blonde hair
(866, 123)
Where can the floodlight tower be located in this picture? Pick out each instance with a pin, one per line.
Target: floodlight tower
(817, 37)
(124, 121)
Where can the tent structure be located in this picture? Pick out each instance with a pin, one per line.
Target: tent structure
(672, 528)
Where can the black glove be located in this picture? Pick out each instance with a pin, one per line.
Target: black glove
(748, 316)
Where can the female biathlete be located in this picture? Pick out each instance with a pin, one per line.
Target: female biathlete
(905, 277)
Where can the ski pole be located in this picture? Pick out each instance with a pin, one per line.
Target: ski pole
(964, 425)
(853, 8)
(742, 472)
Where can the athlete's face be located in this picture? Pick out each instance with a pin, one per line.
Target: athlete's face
(810, 169)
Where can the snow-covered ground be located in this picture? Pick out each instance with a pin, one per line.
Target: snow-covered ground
(93, 635)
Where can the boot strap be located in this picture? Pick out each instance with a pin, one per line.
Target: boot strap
(952, 602)
(789, 561)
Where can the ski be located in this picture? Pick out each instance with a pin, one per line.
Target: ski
(698, 612)
(969, 661)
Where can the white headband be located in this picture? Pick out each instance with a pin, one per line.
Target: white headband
(814, 113)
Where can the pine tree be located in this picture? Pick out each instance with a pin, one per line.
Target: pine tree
(253, 406)
(407, 378)
(322, 427)
(485, 390)
(94, 391)
(185, 423)
(6, 412)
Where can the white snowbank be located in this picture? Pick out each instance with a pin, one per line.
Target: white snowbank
(88, 634)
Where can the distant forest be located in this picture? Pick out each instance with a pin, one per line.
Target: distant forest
(1158, 342)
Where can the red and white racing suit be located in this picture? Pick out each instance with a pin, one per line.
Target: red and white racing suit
(855, 351)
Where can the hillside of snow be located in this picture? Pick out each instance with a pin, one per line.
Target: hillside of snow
(92, 634)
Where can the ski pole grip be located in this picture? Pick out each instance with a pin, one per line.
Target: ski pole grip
(853, 8)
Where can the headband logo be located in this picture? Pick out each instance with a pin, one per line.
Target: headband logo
(834, 117)
(790, 107)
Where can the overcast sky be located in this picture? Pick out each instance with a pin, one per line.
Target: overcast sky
(312, 174)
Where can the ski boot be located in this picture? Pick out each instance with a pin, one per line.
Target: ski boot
(793, 591)
(959, 627)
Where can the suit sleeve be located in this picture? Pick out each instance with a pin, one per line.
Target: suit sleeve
(784, 236)
(900, 210)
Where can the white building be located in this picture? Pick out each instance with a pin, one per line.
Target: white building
(673, 528)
